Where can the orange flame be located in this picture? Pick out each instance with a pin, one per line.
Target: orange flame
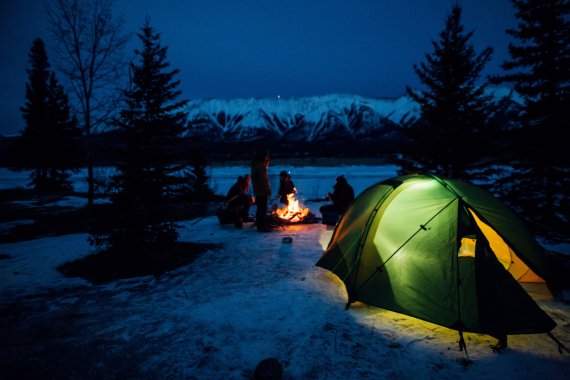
(293, 212)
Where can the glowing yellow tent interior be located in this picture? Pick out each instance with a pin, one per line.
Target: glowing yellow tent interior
(443, 251)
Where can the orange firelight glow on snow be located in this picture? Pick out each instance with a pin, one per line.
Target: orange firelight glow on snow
(293, 212)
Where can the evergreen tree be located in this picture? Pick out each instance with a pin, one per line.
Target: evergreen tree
(48, 145)
(152, 122)
(455, 117)
(539, 69)
(200, 191)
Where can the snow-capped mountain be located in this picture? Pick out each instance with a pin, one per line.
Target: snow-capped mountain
(330, 117)
(298, 119)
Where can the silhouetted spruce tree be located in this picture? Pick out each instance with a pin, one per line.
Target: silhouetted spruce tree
(539, 69)
(200, 190)
(450, 136)
(146, 179)
(48, 146)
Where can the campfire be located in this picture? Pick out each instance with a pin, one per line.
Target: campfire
(293, 212)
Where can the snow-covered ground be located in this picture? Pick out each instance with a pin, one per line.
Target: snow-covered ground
(218, 317)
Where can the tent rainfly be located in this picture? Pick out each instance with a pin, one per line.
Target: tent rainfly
(443, 251)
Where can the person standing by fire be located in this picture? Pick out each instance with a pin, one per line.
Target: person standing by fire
(286, 187)
(261, 189)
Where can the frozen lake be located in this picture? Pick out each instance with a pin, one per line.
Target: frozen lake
(312, 182)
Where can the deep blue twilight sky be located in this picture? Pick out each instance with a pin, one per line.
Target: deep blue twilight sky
(266, 48)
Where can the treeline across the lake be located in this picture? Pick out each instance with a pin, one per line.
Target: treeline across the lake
(107, 111)
(107, 148)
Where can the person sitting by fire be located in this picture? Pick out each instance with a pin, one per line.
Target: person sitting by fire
(238, 202)
(286, 187)
(342, 197)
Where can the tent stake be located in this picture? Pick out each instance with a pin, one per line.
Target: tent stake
(462, 345)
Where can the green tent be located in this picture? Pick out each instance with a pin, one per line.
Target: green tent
(443, 251)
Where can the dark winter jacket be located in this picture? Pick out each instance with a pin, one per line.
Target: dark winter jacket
(259, 179)
(343, 195)
(286, 187)
(237, 189)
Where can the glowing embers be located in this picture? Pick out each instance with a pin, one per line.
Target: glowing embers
(293, 212)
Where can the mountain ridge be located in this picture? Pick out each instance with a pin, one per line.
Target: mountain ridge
(309, 119)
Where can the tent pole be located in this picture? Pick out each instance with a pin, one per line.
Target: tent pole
(462, 344)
